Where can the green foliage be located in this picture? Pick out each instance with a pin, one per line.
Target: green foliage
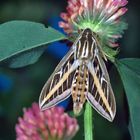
(129, 70)
(21, 42)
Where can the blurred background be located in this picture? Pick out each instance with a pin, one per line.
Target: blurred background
(21, 87)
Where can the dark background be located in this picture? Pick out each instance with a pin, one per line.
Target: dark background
(20, 87)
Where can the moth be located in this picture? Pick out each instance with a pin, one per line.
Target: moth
(81, 73)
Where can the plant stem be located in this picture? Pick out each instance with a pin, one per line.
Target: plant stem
(88, 124)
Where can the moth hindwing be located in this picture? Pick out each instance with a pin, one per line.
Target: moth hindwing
(81, 73)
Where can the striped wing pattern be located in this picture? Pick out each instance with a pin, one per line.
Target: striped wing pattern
(100, 94)
(82, 74)
(61, 81)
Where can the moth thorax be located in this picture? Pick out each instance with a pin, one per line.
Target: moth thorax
(85, 47)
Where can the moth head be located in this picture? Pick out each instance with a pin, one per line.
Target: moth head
(88, 32)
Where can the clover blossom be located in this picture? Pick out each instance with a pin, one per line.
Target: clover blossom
(51, 124)
(102, 16)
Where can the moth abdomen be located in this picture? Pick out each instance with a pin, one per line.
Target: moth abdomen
(79, 88)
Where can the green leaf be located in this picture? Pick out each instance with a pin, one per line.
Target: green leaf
(129, 70)
(22, 42)
(25, 58)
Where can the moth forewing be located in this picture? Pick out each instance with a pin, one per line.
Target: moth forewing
(56, 100)
(104, 104)
(57, 88)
